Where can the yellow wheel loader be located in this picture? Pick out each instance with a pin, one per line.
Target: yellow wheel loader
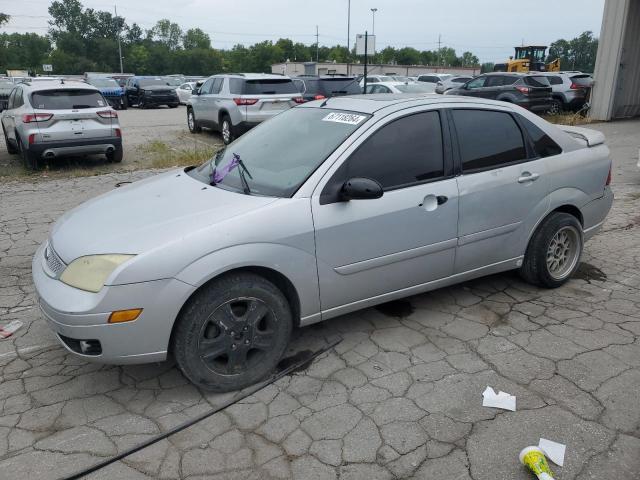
(529, 59)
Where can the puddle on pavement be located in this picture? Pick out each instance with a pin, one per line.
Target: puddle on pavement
(397, 308)
(588, 272)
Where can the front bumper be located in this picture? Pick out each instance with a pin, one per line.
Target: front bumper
(161, 100)
(77, 315)
(76, 147)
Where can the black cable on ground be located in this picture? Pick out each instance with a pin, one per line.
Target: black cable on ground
(283, 372)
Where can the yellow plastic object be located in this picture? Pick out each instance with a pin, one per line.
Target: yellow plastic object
(533, 458)
(120, 316)
(89, 273)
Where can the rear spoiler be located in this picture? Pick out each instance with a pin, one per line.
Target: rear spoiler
(592, 137)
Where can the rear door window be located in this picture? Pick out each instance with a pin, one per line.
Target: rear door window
(403, 152)
(269, 87)
(543, 145)
(67, 99)
(235, 85)
(488, 139)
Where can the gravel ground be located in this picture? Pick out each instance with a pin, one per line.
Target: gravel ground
(399, 397)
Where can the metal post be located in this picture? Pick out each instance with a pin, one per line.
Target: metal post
(115, 10)
(373, 11)
(317, 45)
(348, 33)
(366, 52)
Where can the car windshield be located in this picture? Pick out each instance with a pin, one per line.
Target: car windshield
(281, 153)
(414, 88)
(104, 83)
(67, 99)
(153, 82)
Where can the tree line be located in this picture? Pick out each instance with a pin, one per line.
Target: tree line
(86, 40)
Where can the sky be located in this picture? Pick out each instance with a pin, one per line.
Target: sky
(490, 28)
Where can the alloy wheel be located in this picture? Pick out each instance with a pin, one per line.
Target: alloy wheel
(237, 335)
(191, 121)
(226, 132)
(563, 252)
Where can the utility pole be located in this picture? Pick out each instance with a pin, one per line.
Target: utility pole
(317, 45)
(373, 11)
(366, 54)
(439, 50)
(115, 10)
(348, 33)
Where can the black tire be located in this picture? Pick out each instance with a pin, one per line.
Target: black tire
(10, 147)
(556, 107)
(541, 259)
(227, 130)
(192, 123)
(142, 103)
(174, 105)
(29, 159)
(124, 104)
(116, 155)
(240, 316)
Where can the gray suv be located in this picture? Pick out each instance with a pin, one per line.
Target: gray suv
(52, 118)
(235, 102)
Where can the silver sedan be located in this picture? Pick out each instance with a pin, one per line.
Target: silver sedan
(327, 208)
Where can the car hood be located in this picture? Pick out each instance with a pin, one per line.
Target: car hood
(142, 216)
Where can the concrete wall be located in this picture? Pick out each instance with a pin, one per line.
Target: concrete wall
(616, 92)
(299, 68)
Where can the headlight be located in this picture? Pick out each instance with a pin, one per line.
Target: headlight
(89, 273)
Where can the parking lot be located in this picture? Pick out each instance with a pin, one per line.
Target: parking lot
(399, 397)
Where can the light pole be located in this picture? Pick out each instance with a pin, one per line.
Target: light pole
(373, 32)
(348, 33)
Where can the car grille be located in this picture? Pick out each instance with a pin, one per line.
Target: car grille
(55, 265)
(162, 92)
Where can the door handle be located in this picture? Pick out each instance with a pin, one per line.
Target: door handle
(528, 177)
(431, 202)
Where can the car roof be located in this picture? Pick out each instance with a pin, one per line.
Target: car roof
(254, 76)
(371, 103)
(58, 85)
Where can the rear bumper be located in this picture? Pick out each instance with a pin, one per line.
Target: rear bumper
(76, 147)
(595, 213)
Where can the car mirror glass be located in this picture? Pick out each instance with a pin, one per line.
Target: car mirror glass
(359, 188)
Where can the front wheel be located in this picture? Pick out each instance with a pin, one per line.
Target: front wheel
(232, 333)
(124, 104)
(553, 254)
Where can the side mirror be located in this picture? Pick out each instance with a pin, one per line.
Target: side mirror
(195, 91)
(361, 189)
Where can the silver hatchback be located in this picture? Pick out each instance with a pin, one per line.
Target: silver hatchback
(234, 103)
(52, 118)
(327, 208)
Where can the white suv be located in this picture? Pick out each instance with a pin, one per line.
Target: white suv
(48, 119)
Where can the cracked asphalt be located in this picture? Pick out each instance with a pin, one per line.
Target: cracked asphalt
(399, 397)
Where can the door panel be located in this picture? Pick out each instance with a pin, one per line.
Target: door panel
(367, 248)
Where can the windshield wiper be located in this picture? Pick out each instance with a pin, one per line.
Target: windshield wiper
(242, 170)
(236, 161)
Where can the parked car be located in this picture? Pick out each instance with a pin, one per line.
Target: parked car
(329, 207)
(147, 92)
(434, 77)
(52, 119)
(111, 91)
(234, 103)
(451, 82)
(185, 91)
(375, 79)
(570, 90)
(402, 78)
(528, 90)
(5, 90)
(313, 87)
(401, 87)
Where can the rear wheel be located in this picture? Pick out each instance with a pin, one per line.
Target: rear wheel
(124, 104)
(232, 333)
(227, 130)
(192, 122)
(556, 107)
(30, 159)
(553, 254)
(116, 155)
(10, 147)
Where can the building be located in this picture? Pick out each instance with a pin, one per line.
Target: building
(313, 68)
(616, 92)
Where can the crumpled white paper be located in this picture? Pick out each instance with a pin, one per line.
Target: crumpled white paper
(501, 399)
(555, 451)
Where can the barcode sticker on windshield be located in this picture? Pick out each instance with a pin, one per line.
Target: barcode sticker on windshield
(350, 118)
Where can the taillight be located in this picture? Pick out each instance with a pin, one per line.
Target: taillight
(575, 86)
(319, 97)
(608, 182)
(32, 139)
(298, 99)
(118, 132)
(36, 117)
(245, 101)
(108, 114)
(523, 90)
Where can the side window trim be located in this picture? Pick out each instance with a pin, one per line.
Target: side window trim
(531, 155)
